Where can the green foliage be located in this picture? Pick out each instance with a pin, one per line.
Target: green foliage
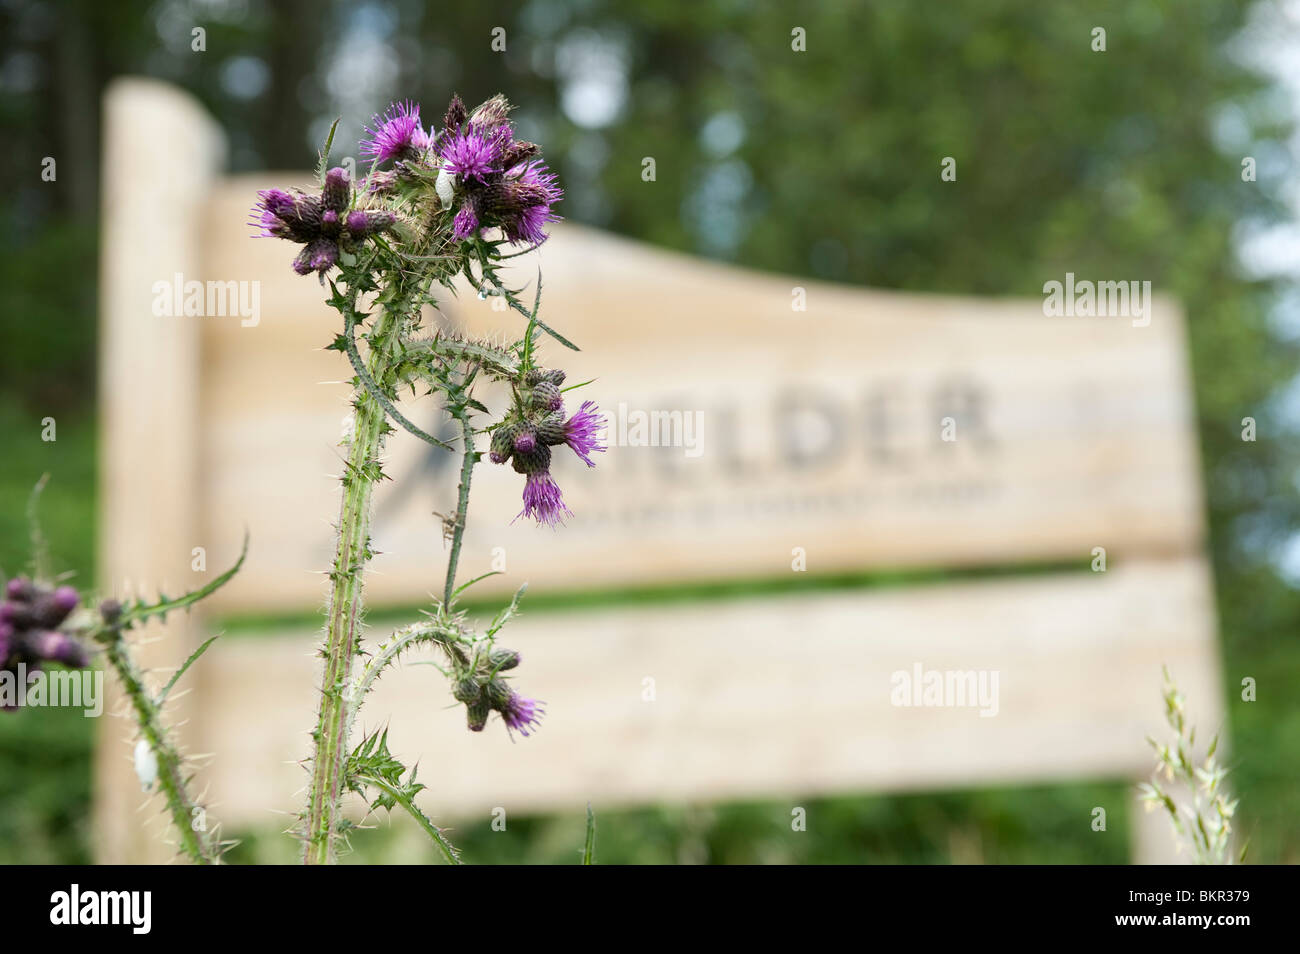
(1194, 796)
(1040, 825)
(372, 767)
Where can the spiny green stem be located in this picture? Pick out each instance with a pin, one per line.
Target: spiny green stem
(198, 846)
(421, 819)
(329, 764)
(462, 504)
(407, 638)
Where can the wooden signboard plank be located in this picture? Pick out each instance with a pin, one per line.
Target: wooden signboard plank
(786, 696)
(820, 429)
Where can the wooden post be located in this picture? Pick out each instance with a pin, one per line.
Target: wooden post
(161, 153)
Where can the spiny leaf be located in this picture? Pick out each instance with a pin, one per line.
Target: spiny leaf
(138, 611)
(40, 549)
(350, 346)
(323, 162)
(162, 696)
(589, 850)
(505, 615)
(465, 586)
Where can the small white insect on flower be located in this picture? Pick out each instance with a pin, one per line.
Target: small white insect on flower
(445, 186)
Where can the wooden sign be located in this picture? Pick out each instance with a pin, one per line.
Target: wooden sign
(760, 427)
(871, 430)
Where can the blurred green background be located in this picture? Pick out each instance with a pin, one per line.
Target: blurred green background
(1127, 161)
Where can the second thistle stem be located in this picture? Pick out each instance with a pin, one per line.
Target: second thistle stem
(198, 845)
(462, 506)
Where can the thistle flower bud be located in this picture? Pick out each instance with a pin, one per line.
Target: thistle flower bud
(546, 397)
(519, 151)
(66, 599)
(491, 113)
(319, 255)
(525, 440)
(536, 376)
(368, 222)
(552, 430)
(381, 182)
(503, 659)
(110, 611)
(455, 114)
(467, 690)
(476, 715)
(48, 610)
(498, 693)
(535, 459)
(60, 648)
(20, 588)
(337, 194)
(503, 443)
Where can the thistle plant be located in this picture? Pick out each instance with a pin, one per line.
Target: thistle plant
(43, 621)
(436, 205)
(1192, 795)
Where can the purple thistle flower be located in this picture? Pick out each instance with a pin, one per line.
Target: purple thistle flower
(537, 176)
(535, 191)
(521, 713)
(61, 648)
(319, 256)
(322, 224)
(474, 153)
(543, 500)
(529, 226)
(396, 134)
(582, 432)
(282, 215)
(465, 224)
(30, 616)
